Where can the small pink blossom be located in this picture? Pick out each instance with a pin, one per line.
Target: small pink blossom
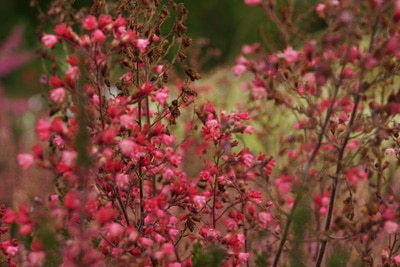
(320, 9)
(391, 227)
(71, 76)
(115, 230)
(253, 2)
(89, 23)
(259, 92)
(98, 36)
(161, 95)
(25, 161)
(122, 180)
(247, 159)
(243, 257)
(49, 40)
(390, 151)
(127, 121)
(57, 95)
(248, 49)
(248, 129)
(290, 55)
(239, 69)
(11, 251)
(37, 258)
(59, 141)
(126, 146)
(141, 44)
(397, 259)
(69, 157)
(264, 218)
(353, 144)
(159, 69)
(146, 242)
(155, 38)
(105, 22)
(199, 202)
(25, 229)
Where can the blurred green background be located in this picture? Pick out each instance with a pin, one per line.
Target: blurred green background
(225, 26)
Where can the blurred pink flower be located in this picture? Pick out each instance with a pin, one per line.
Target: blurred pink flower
(253, 2)
(57, 95)
(142, 44)
(391, 227)
(49, 40)
(290, 55)
(90, 23)
(25, 160)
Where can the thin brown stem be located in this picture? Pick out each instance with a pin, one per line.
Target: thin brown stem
(336, 179)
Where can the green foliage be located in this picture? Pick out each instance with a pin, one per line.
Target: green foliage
(338, 257)
(211, 256)
(261, 259)
(301, 219)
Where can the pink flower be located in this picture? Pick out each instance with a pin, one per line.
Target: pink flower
(122, 180)
(25, 229)
(253, 2)
(199, 202)
(69, 157)
(59, 141)
(89, 23)
(397, 259)
(127, 121)
(141, 44)
(391, 227)
(159, 69)
(161, 95)
(239, 69)
(247, 159)
(37, 258)
(98, 36)
(146, 242)
(49, 40)
(126, 146)
(320, 9)
(155, 38)
(11, 251)
(264, 218)
(25, 160)
(243, 257)
(72, 76)
(57, 95)
(105, 22)
(248, 49)
(354, 175)
(56, 81)
(390, 151)
(115, 230)
(353, 144)
(290, 55)
(259, 92)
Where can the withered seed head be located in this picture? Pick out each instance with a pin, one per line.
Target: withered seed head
(192, 74)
